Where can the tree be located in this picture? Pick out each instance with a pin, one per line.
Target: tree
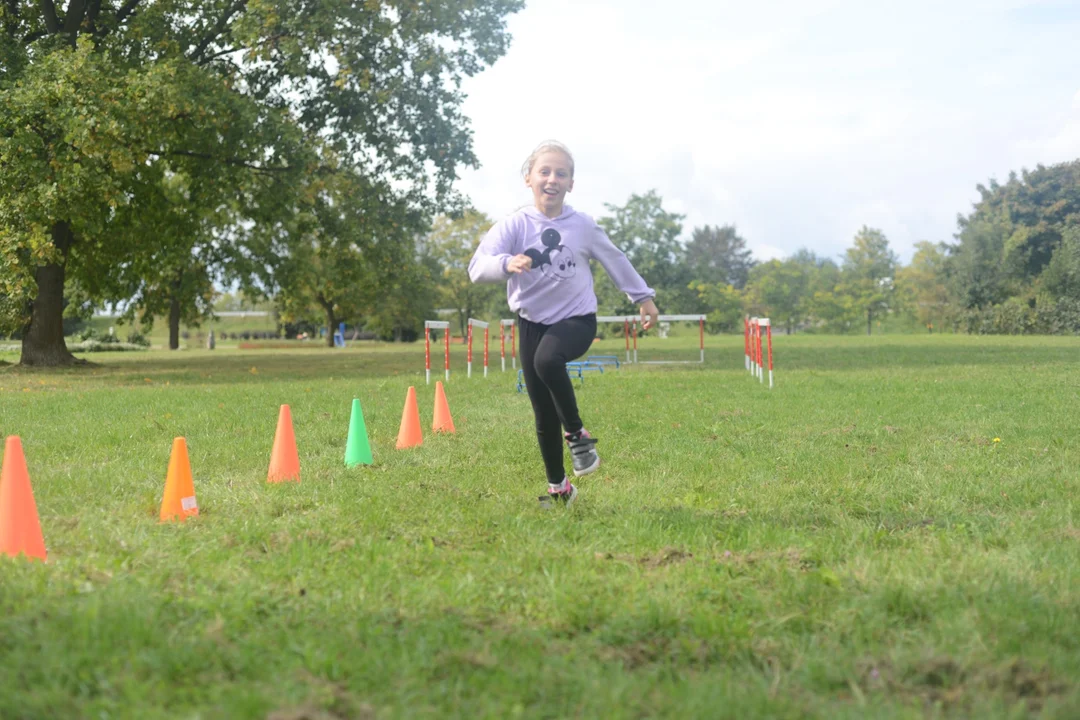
(1061, 278)
(649, 235)
(451, 244)
(719, 255)
(722, 303)
(778, 290)
(868, 274)
(175, 276)
(1012, 233)
(339, 255)
(973, 271)
(102, 100)
(920, 286)
(407, 300)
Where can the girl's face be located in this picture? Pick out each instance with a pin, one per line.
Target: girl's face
(550, 180)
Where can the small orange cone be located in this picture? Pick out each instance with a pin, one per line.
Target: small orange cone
(20, 529)
(442, 422)
(409, 435)
(284, 462)
(179, 501)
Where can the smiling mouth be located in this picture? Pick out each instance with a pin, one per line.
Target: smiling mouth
(551, 192)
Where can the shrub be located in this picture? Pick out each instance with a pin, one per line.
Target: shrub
(137, 338)
(88, 346)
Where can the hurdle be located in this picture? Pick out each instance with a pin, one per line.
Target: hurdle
(604, 360)
(502, 343)
(582, 365)
(430, 325)
(472, 322)
(630, 333)
(752, 345)
(572, 369)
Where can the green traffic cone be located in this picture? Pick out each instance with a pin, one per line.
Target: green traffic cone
(357, 449)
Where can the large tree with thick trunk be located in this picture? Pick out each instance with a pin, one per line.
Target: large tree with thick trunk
(103, 101)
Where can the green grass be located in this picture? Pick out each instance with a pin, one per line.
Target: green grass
(854, 543)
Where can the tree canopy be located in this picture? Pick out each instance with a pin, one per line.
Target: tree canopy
(106, 103)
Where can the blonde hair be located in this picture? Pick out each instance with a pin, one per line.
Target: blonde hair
(546, 146)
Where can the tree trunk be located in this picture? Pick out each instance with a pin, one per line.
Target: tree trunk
(43, 338)
(174, 321)
(869, 320)
(331, 321)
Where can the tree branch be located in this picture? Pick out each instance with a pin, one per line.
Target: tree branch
(122, 14)
(210, 58)
(73, 18)
(92, 15)
(127, 9)
(13, 17)
(219, 28)
(48, 11)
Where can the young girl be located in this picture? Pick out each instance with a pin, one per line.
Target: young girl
(542, 255)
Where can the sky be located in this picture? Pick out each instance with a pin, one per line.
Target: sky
(797, 121)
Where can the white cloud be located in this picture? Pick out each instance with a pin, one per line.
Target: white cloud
(798, 121)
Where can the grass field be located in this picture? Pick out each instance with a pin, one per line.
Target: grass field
(891, 532)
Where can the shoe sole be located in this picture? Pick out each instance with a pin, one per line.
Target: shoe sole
(591, 469)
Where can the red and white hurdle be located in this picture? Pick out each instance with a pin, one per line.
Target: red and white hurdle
(630, 333)
(430, 325)
(752, 347)
(512, 324)
(480, 324)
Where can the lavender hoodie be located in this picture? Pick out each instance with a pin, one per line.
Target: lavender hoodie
(559, 284)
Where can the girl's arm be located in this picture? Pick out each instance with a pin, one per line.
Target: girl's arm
(622, 273)
(493, 254)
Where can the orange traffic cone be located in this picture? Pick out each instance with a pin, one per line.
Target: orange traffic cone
(20, 529)
(409, 435)
(284, 462)
(442, 422)
(179, 501)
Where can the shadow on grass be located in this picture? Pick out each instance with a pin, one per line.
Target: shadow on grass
(245, 367)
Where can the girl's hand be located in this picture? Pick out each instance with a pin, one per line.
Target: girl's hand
(649, 314)
(519, 264)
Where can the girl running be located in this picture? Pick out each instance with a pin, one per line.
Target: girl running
(542, 253)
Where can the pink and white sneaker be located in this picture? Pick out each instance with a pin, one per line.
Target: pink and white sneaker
(565, 494)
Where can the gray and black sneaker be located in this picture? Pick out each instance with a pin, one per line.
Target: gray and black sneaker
(583, 452)
(566, 495)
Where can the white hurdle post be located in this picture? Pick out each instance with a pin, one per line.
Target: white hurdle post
(746, 340)
(477, 323)
(430, 325)
(752, 340)
(502, 343)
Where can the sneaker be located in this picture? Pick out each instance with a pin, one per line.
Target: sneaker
(567, 495)
(583, 452)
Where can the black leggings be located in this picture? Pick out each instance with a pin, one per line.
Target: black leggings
(545, 350)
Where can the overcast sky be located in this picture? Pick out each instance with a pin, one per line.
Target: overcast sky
(797, 120)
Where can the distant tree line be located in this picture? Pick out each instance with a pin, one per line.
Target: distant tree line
(304, 155)
(1013, 267)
